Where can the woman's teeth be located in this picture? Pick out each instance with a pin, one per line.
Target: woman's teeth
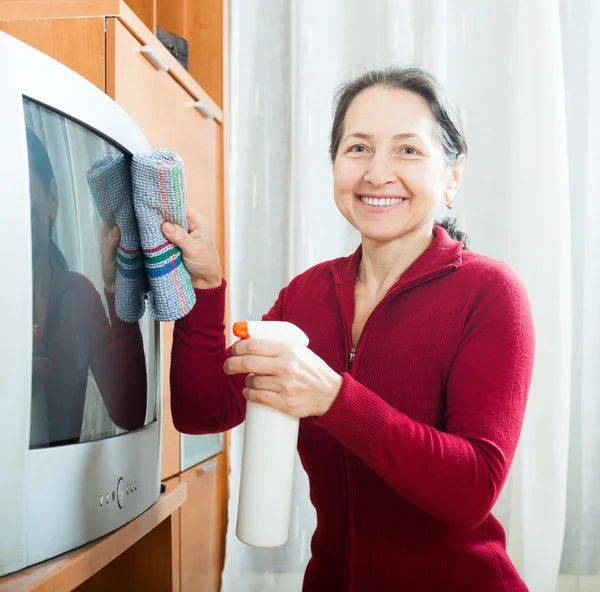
(381, 202)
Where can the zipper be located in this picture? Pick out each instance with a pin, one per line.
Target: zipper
(351, 357)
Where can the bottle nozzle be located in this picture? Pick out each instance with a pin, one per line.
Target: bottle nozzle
(240, 329)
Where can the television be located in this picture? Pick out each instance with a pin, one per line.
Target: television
(80, 394)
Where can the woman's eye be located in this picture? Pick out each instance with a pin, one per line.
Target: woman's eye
(409, 151)
(358, 148)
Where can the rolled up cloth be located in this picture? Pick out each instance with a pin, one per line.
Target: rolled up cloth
(158, 185)
(109, 181)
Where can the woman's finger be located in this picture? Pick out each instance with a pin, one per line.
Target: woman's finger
(194, 218)
(262, 383)
(250, 364)
(262, 397)
(257, 347)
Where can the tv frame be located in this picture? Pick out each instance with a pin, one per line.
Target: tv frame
(51, 496)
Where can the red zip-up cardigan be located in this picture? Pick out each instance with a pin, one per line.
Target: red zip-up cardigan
(406, 465)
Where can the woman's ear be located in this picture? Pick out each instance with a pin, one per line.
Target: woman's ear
(53, 200)
(454, 180)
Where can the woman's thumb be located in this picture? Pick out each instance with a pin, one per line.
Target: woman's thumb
(176, 234)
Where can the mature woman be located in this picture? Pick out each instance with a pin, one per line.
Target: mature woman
(413, 391)
(72, 335)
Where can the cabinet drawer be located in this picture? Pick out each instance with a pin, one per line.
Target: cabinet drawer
(198, 145)
(201, 527)
(170, 118)
(147, 94)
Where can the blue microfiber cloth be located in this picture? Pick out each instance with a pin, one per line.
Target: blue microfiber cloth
(157, 181)
(109, 181)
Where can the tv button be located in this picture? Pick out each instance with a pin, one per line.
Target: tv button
(121, 492)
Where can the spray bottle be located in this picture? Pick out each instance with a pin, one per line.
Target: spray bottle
(270, 442)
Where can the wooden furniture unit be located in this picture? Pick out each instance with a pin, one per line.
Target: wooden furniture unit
(182, 111)
(118, 561)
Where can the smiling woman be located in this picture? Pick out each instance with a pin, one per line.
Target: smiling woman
(413, 391)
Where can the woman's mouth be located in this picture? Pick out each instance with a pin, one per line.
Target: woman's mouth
(381, 202)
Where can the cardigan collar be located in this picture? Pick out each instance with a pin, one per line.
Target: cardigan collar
(443, 255)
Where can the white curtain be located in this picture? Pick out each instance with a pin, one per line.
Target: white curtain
(526, 75)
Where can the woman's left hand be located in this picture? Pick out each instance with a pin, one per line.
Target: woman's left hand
(290, 379)
(108, 246)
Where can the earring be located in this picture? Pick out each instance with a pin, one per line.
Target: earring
(448, 204)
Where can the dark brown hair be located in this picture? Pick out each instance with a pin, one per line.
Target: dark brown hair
(449, 129)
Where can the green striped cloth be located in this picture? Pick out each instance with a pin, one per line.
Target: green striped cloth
(158, 187)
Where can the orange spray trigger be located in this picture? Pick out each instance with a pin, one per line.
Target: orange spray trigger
(240, 329)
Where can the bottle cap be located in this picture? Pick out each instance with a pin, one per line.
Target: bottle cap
(240, 329)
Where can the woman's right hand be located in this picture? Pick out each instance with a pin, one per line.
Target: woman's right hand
(199, 253)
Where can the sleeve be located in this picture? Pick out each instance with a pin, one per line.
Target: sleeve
(119, 365)
(455, 475)
(204, 399)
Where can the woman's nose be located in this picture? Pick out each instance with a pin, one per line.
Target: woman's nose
(380, 171)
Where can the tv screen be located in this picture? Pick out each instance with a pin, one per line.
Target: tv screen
(90, 373)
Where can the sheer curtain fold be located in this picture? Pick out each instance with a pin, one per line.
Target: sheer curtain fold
(526, 76)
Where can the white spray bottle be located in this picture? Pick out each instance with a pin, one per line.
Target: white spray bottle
(270, 442)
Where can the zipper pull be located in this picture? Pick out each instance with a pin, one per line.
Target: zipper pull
(351, 356)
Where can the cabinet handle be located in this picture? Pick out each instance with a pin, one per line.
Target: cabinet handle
(149, 53)
(202, 108)
(206, 468)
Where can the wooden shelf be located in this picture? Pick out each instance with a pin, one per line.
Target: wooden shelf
(75, 568)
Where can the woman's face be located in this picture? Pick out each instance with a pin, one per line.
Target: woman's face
(390, 172)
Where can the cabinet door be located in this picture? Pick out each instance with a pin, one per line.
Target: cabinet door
(150, 98)
(202, 527)
(198, 145)
(147, 94)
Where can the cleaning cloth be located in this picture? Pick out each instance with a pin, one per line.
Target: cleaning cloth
(110, 184)
(158, 186)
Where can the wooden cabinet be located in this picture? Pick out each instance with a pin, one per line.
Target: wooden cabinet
(202, 527)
